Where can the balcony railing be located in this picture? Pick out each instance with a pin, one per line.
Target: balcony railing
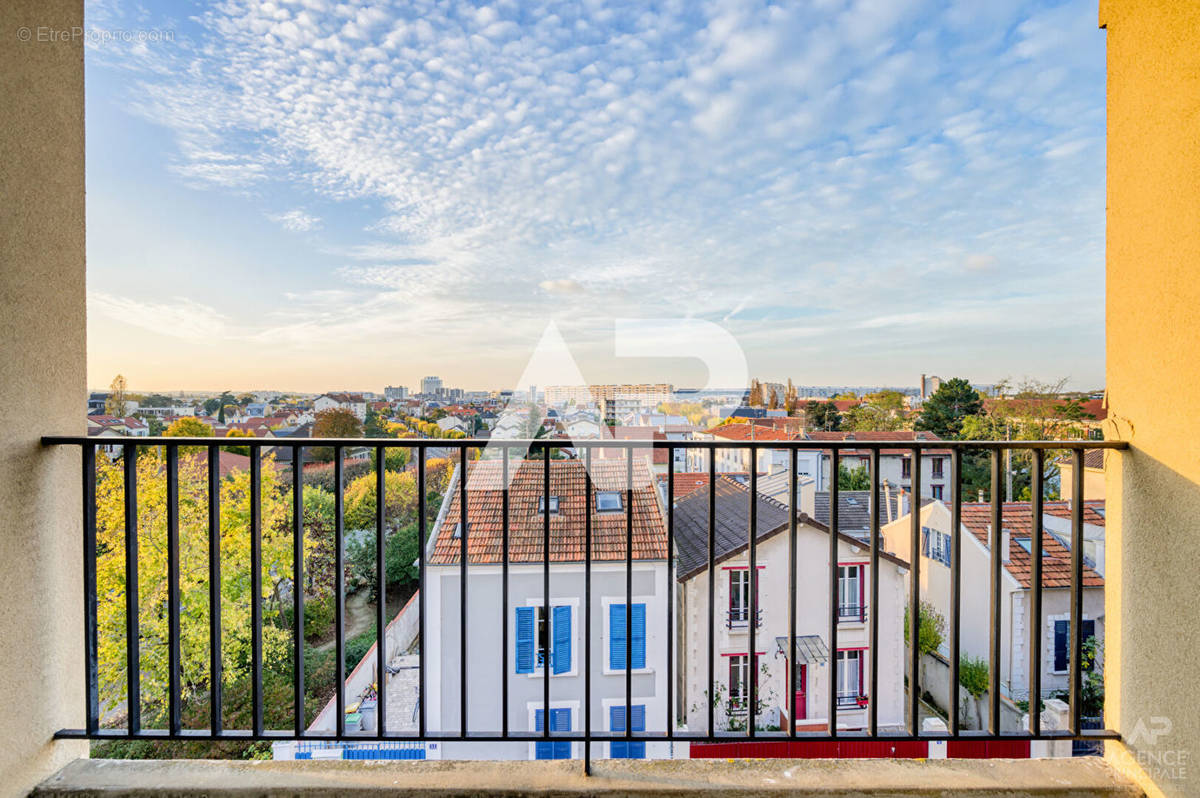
(740, 618)
(852, 613)
(216, 730)
(852, 701)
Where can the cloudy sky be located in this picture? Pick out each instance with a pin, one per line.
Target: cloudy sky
(313, 195)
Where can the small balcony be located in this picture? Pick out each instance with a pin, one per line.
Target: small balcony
(852, 613)
(739, 619)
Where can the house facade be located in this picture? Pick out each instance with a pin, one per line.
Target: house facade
(1016, 548)
(540, 646)
(819, 670)
(353, 402)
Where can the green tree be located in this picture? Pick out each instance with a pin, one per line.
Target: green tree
(943, 413)
(188, 427)
(239, 433)
(931, 629)
(755, 397)
(375, 426)
(822, 416)
(225, 399)
(335, 422)
(117, 403)
(857, 478)
(878, 412)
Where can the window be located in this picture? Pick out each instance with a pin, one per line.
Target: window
(1062, 643)
(850, 592)
(553, 505)
(533, 639)
(739, 596)
(936, 463)
(1027, 545)
(560, 721)
(905, 468)
(458, 529)
(632, 749)
(609, 501)
(618, 640)
(937, 491)
(849, 677)
(739, 680)
(935, 545)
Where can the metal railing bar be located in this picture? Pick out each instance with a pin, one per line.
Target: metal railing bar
(256, 664)
(174, 691)
(914, 604)
(1035, 596)
(629, 593)
(91, 627)
(464, 517)
(215, 671)
(752, 653)
(504, 531)
(834, 586)
(670, 592)
(381, 673)
(339, 564)
(876, 534)
(587, 610)
(994, 624)
(955, 587)
(421, 524)
(298, 584)
(1076, 657)
(712, 581)
(133, 694)
(546, 620)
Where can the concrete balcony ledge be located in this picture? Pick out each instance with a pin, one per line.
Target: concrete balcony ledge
(734, 778)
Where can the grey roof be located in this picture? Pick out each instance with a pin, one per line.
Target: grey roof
(731, 532)
(810, 649)
(854, 510)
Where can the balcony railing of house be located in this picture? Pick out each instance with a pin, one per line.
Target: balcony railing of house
(740, 618)
(852, 700)
(852, 613)
(171, 448)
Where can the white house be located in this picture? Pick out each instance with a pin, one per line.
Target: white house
(1016, 548)
(540, 647)
(353, 402)
(448, 423)
(819, 670)
(895, 465)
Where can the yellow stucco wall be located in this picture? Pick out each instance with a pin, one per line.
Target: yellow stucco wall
(42, 379)
(1153, 362)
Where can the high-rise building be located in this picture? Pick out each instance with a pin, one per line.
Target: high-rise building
(430, 386)
(395, 393)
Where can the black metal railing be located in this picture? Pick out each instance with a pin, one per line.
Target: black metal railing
(739, 618)
(852, 613)
(852, 701)
(171, 448)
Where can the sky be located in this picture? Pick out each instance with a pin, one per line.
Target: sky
(315, 196)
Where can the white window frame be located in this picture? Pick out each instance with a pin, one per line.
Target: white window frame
(531, 708)
(565, 601)
(605, 603)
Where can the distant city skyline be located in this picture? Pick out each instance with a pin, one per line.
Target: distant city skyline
(330, 195)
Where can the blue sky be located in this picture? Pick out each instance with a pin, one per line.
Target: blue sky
(313, 195)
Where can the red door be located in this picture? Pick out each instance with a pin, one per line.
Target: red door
(801, 705)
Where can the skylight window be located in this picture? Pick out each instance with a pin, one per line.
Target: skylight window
(609, 501)
(553, 505)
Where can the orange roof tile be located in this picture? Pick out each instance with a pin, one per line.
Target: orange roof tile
(1017, 517)
(568, 481)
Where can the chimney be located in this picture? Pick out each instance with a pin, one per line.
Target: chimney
(887, 500)
(1005, 545)
(922, 386)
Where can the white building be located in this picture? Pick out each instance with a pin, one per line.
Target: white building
(431, 386)
(395, 393)
(1016, 548)
(537, 644)
(816, 672)
(353, 402)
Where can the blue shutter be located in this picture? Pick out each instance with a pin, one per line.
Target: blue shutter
(562, 640)
(616, 636)
(525, 623)
(639, 636)
(560, 721)
(633, 749)
(925, 540)
(1061, 633)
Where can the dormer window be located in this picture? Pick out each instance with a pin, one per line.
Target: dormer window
(458, 530)
(609, 501)
(553, 505)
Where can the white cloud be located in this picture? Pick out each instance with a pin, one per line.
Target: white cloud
(296, 220)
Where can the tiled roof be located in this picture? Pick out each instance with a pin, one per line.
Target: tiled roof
(568, 481)
(731, 531)
(345, 398)
(1017, 517)
(895, 435)
(746, 432)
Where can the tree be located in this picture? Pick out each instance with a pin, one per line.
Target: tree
(152, 585)
(336, 422)
(156, 426)
(239, 433)
(823, 416)
(375, 425)
(931, 630)
(117, 403)
(755, 397)
(188, 428)
(878, 412)
(943, 413)
(211, 406)
(853, 478)
(226, 398)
